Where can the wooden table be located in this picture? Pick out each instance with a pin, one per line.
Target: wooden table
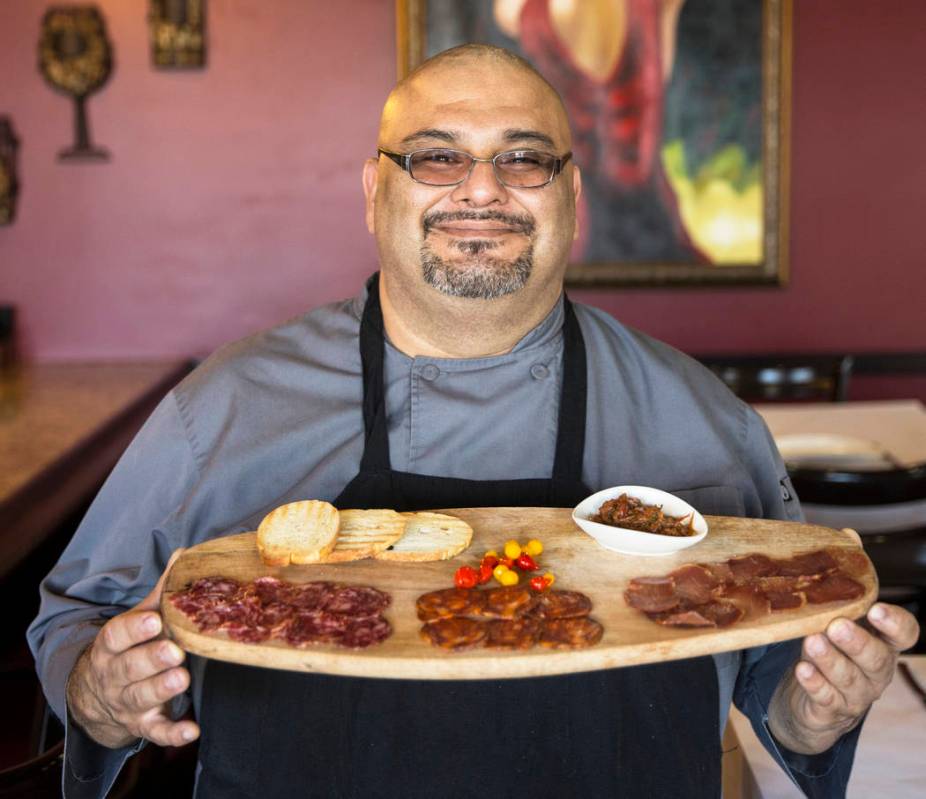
(889, 760)
(62, 429)
(898, 426)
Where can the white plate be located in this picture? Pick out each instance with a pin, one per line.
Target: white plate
(822, 450)
(634, 542)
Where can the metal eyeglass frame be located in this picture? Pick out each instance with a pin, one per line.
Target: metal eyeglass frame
(404, 161)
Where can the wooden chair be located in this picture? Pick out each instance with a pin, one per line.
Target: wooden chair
(783, 378)
(888, 510)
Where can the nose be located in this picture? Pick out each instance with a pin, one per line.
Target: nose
(480, 188)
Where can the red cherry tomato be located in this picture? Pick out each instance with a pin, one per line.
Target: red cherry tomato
(538, 583)
(509, 562)
(465, 577)
(485, 571)
(526, 563)
(491, 560)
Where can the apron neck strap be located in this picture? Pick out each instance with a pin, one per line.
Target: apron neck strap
(570, 439)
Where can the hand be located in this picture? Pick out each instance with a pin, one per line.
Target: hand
(121, 686)
(839, 676)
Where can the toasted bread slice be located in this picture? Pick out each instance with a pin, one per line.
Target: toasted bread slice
(299, 532)
(429, 536)
(363, 533)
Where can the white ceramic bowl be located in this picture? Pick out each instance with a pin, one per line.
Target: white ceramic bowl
(634, 542)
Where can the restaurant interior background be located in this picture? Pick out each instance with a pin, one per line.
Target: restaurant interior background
(232, 199)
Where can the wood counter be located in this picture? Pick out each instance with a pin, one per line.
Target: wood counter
(62, 429)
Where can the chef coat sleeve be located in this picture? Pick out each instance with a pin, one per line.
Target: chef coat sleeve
(112, 562)
(762, 668)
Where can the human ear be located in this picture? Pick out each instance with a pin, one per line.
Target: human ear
(370, 182)
(576, 192)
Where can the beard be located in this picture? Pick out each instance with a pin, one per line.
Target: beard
(477, 274)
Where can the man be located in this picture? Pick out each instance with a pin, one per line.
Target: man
(460, 377)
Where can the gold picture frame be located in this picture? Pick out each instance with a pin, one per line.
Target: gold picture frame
(731, 203)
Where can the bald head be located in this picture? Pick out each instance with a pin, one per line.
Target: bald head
(474, 73)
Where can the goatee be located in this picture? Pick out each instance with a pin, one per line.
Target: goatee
(477, 274)
(479, 277)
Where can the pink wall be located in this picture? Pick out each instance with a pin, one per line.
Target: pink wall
(233, 198)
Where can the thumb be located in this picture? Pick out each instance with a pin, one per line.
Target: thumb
(153, 600)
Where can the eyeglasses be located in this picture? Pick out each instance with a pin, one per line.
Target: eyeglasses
(517, 169)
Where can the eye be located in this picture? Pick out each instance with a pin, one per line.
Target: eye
(523, 159)
(438, 158)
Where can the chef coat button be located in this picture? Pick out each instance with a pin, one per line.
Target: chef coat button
(430, 372)
(539, 371)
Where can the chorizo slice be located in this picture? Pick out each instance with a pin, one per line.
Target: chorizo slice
(450, 602)
(520, 633)
(508, 602)
(577, 633)
(556, 604)
(455, 633)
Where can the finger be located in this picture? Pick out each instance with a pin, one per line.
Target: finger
(872, 655)
(818, 689)
(834, 667)
(140, 697)
(153, 600)
(127, 630)
(897, 626)
(165, 732)
(144, 661)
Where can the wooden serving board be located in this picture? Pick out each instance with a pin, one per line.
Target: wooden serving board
(576, 560)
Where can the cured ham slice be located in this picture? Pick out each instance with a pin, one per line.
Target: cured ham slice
(833, 587)
(810, 563)
(694, 583)
(651, 594)
(751, 566)
(720, 594)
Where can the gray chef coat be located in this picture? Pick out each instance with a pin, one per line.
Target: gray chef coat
(277, 417)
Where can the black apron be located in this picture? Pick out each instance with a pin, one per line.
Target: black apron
(644, 731)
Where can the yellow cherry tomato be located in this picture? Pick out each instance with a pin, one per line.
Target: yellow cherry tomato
(499, 571)
(549, 578)
(512, 549)
(533, 547)
(509, 578)
(490, 554)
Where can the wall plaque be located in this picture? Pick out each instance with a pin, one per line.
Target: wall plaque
(178, 33)
(9, 185)
(75, 58)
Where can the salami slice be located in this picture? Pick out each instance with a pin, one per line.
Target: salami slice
(455, 633)
(555, 604)
(310, 596)
(361, 633)
(507, 602)
(450, 602)
(358, 601)
(316, 627)
(247, 633)
(571, 633)
(301, 614)
(215, 586)
(520, 633)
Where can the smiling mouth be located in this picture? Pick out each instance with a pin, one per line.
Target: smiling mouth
(478, 225)
(476, 231)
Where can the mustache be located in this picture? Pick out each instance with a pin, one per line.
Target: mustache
(521, 223)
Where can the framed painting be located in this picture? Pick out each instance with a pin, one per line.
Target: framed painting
(680, 114)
